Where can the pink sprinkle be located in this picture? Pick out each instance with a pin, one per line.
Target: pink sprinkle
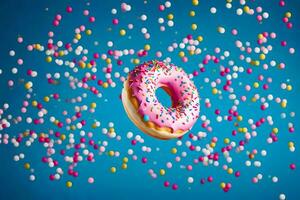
(174, 186)
(69, 9)
(166, 183)
(210, 179)
(292, 166)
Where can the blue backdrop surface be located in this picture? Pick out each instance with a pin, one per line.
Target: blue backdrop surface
(33, 20)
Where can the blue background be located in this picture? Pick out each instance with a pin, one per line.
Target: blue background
(29, 19)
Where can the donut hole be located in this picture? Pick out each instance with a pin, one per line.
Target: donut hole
(163, 97)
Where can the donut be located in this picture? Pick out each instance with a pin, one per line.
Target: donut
(147, 113)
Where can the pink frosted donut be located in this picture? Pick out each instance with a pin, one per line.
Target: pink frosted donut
(144, 109)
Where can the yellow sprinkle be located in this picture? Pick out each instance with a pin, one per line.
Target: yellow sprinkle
(214, 91)
(291, 144)
(88, 32)
(147, 47)
(105, 85)
(181, 54)
(27, 166)
(255, 84)
(288, 14)
(124, 166)
(94, 125)
(192, 13)
(174, 150)
(78, 36)
(42, 134)
(125, 160)
(34, 103)
(239, 118)
(200, 38)
(108, 60)
(289, 87)
(170, 16)
(46, 99)
(275, 130)
(136, 61)
(73, 127)
(62, 136)
(162, 172)
(69, 184)
(28, 85)
(113, 170)
(48, 59)
(122, 32)
(93, 105)
(38, 46)
(195, 2)
(246, 9)
(222, 185)
(111, 153)
(61, 53)
(226, 140)
(253, 99)
(194, 27)
(191, 52)
(111, 130)
(25, 134)
(82, 64)
(262, 56)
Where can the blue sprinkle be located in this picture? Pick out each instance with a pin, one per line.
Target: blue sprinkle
(146, 118)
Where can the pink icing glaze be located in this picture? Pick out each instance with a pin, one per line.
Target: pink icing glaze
(147, 77)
